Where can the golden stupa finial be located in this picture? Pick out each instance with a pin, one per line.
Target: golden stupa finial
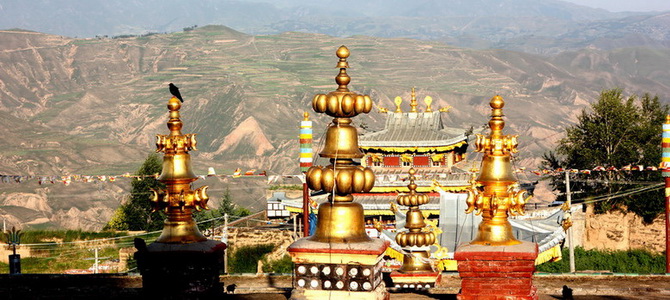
(496, 143)
(398, 102)
(343, 78)
(495, 193)
(412, 103)
(177, 199)
(305, 116)
(343, 176)
(414, 234)
(429, 101)
(667, 119)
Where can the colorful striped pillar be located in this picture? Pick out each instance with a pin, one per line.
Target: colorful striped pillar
(305, 164)
(665, 170)
(305, 143)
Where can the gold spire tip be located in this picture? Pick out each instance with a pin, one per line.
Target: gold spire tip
(412, 171)
(497, 102)
(343, 52)
(174, 104)
(305, 116)
(343, 78)
(667, 119)
(412, 102)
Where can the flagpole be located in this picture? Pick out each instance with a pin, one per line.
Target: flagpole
(305, 164)
(665, 170)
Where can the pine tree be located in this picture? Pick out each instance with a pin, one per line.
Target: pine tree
(225, 206)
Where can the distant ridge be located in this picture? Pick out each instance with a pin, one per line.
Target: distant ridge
(534, 26)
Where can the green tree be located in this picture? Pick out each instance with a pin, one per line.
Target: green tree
(135, 213)
(615, 132)
(225, 206)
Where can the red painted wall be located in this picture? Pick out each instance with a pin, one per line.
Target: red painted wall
(421, 161)
(392, 161)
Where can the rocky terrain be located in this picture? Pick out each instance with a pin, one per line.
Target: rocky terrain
(93, 106)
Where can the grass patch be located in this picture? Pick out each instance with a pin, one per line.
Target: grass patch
(631, 261)
(283, 265)
(54, 252)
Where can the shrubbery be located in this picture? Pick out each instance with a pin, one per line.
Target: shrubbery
(283, 265)
(245, 260)
(631, 261)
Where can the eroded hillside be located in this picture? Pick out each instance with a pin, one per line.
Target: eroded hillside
(93, 106)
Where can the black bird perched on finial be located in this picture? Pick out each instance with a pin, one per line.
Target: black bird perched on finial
(174, 90)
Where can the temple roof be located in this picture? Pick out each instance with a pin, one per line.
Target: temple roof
(414, 130)
(394, 179)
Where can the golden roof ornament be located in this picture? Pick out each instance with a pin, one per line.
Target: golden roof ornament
(398, 102)
(428, 100)
(412, 102)
(340, 219)
(177, 200)
(445, 109)
(495, 193)
(382, 109)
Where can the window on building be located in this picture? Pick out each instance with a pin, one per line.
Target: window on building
(436, 163)
(406, 164)
(377, 163)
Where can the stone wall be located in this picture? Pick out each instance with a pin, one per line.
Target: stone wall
(622, 231)
(239, 237)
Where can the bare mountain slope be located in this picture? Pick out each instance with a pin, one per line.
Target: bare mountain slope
(93, 106)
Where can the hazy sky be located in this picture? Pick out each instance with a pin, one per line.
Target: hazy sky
(626, 5)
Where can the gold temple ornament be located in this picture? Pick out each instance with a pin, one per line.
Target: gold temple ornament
(495, 193)
(415, 234)
(340, 260)
(177, 200)
(342, 177)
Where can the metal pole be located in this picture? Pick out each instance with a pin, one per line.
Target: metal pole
(295, 227)
(95, 266)
(225, 251)
(305, 210)
(571, 244)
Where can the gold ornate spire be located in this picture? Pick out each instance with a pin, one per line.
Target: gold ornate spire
(340, 219)
(305, 116)
(412, 103)
(416, 260)
(414, 223)
(428, 100)
(496, 193)
(177, 199)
